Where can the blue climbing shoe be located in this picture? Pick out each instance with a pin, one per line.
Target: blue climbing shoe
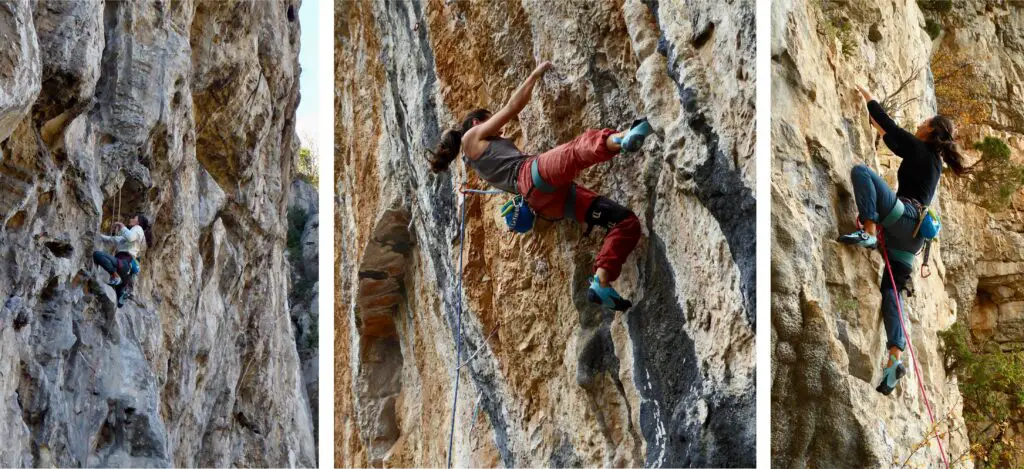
(859, 238)
(606, 296)
(891, 375)
(114, 281)
(634, 139)
(123, 297)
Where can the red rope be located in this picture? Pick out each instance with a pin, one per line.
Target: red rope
(913, 356)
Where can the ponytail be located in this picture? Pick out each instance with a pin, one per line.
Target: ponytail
(943, 143)
(147, 228)
(446, 151)
(451, 141)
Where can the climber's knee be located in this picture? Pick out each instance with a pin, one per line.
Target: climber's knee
(605, 213)
(101, 259)
(860, 172)
(631, 227)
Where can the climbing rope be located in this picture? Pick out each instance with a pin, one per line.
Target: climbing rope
(458, 310)
(913, 356)
(113, 232)
(118, 205)
(458, 332)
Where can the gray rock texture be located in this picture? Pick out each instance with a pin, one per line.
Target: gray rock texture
(547, 378)
(183, 111)
(828, 340)
(304, 287)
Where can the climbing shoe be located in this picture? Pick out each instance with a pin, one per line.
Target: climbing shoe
(859, 238)
(606, 296)
(890, 376)
(114, 281)
(122, 298)
(634, 138)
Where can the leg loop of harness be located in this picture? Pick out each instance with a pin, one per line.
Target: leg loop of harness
(895, 214)
(569, 209)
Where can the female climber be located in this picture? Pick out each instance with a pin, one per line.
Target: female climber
(546, 180)
(899, 212)
(123, 266)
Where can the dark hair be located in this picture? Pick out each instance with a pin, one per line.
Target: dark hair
(451, 141)
(943, 142)
(147, 228)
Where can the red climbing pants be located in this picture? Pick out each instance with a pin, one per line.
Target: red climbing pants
(558, 167)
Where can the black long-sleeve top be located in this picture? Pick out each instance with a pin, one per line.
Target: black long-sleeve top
(919, 171)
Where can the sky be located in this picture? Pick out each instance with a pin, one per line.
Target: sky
(312, 108)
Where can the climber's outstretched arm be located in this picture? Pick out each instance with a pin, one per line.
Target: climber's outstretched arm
(520, 98)
(868, 97)
(123, 234)
(894, 136)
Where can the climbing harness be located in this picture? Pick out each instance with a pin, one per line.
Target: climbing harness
(540, 184)
(910, 345)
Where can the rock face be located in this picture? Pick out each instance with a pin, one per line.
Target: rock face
(183, 111)
(827, 335)
(304, 285)
(546, 379)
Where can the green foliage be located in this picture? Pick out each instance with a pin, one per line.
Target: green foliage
(938, 6)
(296, 223)
(837, 27)
(314, 333)
(306, 166)
(932, 28)
(845, 304)
(301, 287)
(996, 178)
(992, 383)
(993, 148)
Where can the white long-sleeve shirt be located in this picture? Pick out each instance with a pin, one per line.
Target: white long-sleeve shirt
(132, 241)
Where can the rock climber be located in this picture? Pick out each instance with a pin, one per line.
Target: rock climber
(124, 265)
(899, 212)
(546, 180)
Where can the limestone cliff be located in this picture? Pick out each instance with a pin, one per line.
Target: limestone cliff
(827, 335)
(546, 378)
(184, 111)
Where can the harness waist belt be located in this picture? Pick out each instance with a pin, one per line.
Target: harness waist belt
(538, 181)
(895, 214)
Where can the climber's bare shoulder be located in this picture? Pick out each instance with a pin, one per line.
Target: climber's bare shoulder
(475, 141)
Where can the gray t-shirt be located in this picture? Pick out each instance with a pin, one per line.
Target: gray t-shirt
(499, 164)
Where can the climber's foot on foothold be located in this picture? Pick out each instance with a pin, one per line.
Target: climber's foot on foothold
(634, 138)
(891, 375)
(114, 281)
(606, 296)
(859, 238)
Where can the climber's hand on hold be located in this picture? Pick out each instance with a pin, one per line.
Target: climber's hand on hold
(865, 93)
(519, 99)
(542, 68)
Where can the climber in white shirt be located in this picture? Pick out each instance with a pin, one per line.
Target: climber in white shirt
(130, 241)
